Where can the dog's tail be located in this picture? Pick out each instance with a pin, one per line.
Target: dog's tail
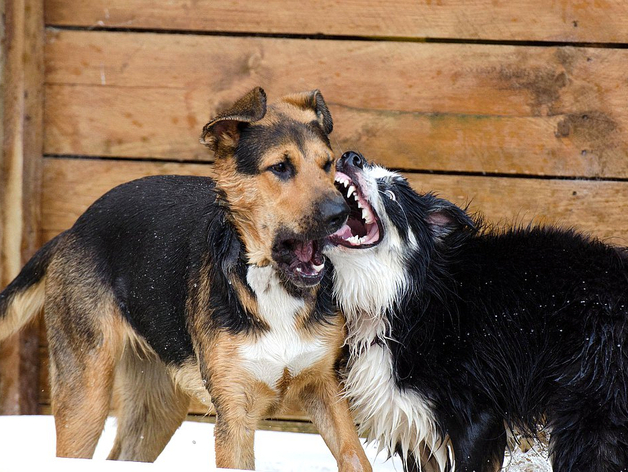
(24, 296)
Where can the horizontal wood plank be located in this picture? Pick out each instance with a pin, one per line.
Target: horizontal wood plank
(597, 207)
(446, 107)
(525, 20)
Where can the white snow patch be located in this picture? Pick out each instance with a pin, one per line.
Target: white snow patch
(28, 443)
(534, 460)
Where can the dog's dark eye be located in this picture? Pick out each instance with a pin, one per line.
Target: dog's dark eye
(283, 170)
(279, 168)
(328, 164)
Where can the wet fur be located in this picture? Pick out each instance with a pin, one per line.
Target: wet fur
(490, 329)
(151, 294)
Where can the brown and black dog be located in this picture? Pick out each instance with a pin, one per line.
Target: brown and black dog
(171, 287)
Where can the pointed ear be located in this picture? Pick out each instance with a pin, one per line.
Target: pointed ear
(224, 130)
(445, 218)
(313, 100)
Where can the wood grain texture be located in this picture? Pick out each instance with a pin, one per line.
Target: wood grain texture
(597, 207)
(525, 20)
(20, 182)
(447, 107)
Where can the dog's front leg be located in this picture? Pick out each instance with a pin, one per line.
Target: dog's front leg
(240, 400)
(329, 412)
(234, 435)
(239, 407)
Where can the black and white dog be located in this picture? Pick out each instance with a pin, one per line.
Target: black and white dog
(458, 332)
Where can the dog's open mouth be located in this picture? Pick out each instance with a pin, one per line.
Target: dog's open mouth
(301, 261)
(363, 228)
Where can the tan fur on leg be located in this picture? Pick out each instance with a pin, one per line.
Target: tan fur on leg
(329, 412)
(236, 423)
(81, 395)
(151, 408)
(85, 333)
(240, 401)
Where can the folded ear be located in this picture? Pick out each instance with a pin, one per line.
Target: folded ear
(444, 218)
(224, 130)
(313, 100)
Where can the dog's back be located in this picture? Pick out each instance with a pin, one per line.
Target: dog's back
(135, 239)
(521, 303)
(141, 237)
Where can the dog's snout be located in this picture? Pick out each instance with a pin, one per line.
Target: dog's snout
(334, 212)
(351, 159)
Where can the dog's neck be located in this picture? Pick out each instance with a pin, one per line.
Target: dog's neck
(276, 305)
(385, 412)
(237, 203)
(366, 287)
(237, 262)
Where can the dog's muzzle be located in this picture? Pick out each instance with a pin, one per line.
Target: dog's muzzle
(362, 228)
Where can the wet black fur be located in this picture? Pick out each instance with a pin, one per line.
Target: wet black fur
(511, 327)
(146, 238)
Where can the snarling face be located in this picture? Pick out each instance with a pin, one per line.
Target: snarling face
(367, 251)
(276, 173)
(388, 225)
(375, 196)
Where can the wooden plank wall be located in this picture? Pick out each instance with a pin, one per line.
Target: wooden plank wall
(21, 138)
(516, 107)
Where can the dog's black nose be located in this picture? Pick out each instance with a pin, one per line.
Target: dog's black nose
(334, 212)
(351, 159)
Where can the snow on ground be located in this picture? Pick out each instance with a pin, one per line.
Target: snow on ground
(27, 443)
(535, 460)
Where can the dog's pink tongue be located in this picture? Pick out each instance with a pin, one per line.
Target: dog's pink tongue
(304, 250)
(344, 232)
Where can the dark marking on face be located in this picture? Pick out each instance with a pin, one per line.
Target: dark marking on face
(255, 140)
(395, 209)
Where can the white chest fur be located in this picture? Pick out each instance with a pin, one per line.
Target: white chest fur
(386, 413)
(281, 348)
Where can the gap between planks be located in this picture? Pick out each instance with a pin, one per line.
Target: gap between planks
(336, 37)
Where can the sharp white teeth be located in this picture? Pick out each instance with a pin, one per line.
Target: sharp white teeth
(366, 215)
(355, 240)
(299, 269)
(318, 268)
(359, 204)
(350, 191)
(342, 180)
